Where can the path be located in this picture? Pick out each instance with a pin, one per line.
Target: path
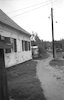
(52, 80)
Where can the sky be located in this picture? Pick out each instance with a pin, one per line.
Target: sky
(35, 16)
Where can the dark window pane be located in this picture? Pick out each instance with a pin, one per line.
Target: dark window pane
(15, 46)
(8, 50)
(26, 45)
(29, 45)
(23, 45)
(7, 40)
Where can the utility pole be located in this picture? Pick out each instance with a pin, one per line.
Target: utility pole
(52, 33)
(3, 78)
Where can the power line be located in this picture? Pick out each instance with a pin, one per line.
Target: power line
(28, 7)
(31, 10)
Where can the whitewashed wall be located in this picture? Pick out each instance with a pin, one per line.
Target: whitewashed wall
(19, 56)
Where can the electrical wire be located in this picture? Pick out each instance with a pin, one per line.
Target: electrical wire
(31, 10)
(28, 7)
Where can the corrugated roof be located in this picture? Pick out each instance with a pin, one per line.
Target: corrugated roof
(8, 21)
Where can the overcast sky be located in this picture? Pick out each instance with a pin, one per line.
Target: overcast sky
(33, 15)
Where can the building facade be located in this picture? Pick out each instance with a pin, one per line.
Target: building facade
(18, 39)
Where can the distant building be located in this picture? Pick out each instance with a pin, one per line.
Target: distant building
(35, 49)
(59, 48)
(35, 52)
(58, 44)
(17, 38)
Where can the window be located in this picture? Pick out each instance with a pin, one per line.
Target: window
(15, 47)
(7, 41)
(29, 45)
(22, 46)
(8, 50)
(25, 45)
(2, 38)
(13, 43)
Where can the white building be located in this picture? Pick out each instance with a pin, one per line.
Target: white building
(17, 38)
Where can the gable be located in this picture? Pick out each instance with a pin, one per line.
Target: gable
(8, 21)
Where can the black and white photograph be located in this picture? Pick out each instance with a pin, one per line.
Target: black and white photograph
(31, 49)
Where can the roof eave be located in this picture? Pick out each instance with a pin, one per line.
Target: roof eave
(16, 29)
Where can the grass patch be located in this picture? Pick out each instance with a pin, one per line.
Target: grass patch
(22, 82)
(57, 63)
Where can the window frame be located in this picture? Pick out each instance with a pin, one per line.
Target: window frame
(14, 45)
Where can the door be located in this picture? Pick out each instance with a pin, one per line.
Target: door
(3, 78)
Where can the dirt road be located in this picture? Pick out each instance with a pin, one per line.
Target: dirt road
(52, 80)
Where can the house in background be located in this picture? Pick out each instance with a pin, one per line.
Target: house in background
(34, 47)
(59, 47)
(17, 38)
(35, 52)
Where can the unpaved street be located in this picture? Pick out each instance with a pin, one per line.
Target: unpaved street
(52, 80)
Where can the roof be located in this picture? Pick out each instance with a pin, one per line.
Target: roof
(8, 21)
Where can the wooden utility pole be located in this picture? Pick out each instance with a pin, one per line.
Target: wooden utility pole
(52, 33)
(3, 78)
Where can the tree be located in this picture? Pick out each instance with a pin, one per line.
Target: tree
(40, 44)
